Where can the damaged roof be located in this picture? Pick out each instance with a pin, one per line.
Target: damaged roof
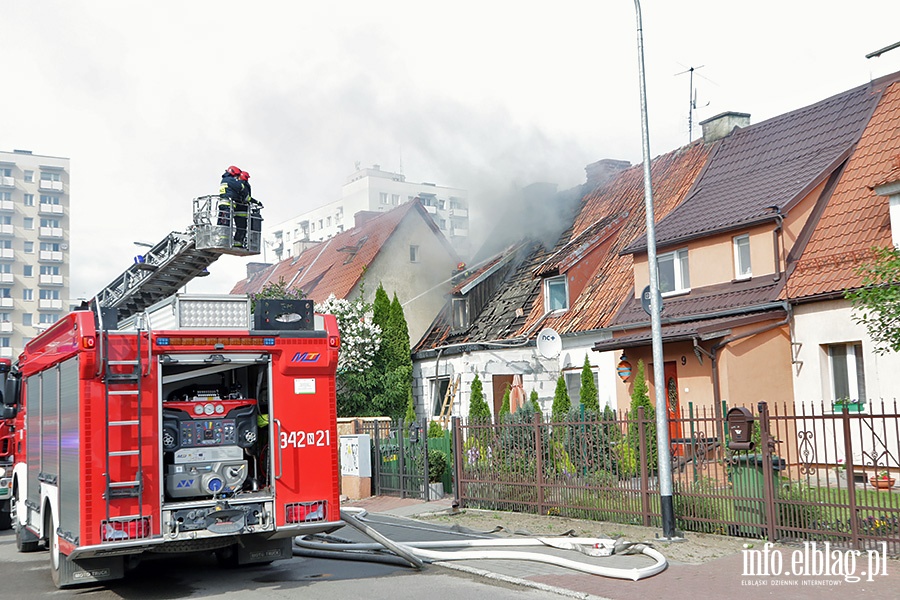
(608, 217)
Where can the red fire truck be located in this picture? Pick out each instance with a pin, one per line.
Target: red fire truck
(186, 425)
(7, 438)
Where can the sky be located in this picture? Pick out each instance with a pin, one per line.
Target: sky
(151, 101)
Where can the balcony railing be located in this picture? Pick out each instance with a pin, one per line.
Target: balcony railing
(6, 352)
(7, 205)
(50, 209)
(6, 327)
(51, 185)
(51, 279)
(6, 302)
(8, 181)
(6, 278)
(51, 232)
(47, 256)
(7, 253)
(6, 229)
(49, 304)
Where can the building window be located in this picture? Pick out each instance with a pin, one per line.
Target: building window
(29, 199)
(328, 222)
(395, 199)
(27, 294)
(47, 318)
(6, 244)
(29, 248)
(556, 293)
(742, 257)
(27, 271)
(439, 388)
(48, 295)
(52, 200)
(673, 272)
(383, 197)
(6, 268)
(45, 176)
(460, 307)
(29, 177)
(27, 319)
(50, 223)
(4, 172)
(4, 342)
(413, 254)
(4, 317)
(6, 196)
(28, 223)
(49, 270)
(5, 220)
(848, 380)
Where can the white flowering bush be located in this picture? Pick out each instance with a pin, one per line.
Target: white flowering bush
(360, 338)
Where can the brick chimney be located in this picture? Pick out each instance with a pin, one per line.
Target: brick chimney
(602, 171)
(256, 267)
(364, 216)
(721, 125)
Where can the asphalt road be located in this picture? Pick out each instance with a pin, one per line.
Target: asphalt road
(199, 576)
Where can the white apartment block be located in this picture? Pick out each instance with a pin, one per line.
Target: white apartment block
(371, 189)
(34, 246)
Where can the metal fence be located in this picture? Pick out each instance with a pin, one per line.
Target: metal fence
(816, 474)
(404, 457)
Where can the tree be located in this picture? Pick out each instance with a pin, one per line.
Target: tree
(394, 362)
(360, 341)
(504, 406)
(535, 402)
(479, 411)
(640, 398)
(877, 302)
(588, 394)
(561, 401)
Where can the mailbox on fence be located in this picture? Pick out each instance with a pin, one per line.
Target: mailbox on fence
(740, 428)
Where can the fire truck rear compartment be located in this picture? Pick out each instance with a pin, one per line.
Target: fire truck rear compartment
(213, 447)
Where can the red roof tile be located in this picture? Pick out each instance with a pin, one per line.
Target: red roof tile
(336, 265)
(856, 218)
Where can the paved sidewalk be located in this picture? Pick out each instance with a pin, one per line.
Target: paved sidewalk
(720, 578)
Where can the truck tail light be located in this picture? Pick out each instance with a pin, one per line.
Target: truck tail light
(87, 342)
(334, 341)
(131, 529)
(306, 512)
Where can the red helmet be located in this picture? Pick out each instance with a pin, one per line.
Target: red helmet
(244, 176)
(233, 171)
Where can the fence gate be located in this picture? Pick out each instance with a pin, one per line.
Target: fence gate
(399, 459)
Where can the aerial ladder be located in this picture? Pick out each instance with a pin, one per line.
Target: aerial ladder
(178, 258)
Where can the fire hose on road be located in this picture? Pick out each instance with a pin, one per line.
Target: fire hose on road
(415, 554)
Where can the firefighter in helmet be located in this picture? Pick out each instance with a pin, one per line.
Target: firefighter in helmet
(229, 192)
(242, 211)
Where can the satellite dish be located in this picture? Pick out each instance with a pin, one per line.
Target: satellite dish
(549, 343)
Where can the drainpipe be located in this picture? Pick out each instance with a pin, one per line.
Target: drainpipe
(776, 238)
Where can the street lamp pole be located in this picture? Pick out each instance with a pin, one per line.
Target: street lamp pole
(664, 459)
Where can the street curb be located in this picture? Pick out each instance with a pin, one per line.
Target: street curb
(517, 581)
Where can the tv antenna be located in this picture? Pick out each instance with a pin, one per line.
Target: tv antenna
(692, 98)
